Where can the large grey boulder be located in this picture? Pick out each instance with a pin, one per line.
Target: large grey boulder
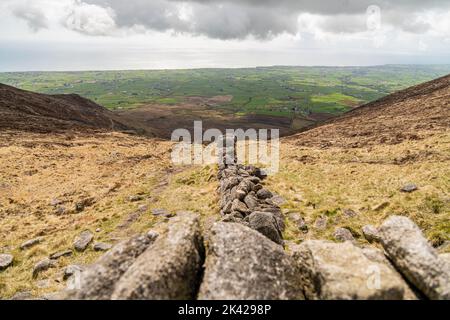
(170, 269)
(82, 241)
(266, 224)
(6, 260)
(341, 271)
(377, 255)
(243, 264)
(98, 281)
(415, 258)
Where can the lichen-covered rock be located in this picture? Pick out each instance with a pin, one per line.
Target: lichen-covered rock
(100, 246)
(6, 260)
(42, 266)
(98, 281)
(71, 270)
(266, 224)
(415, 258)
(243, 264)
(341, 271)
(30, 243)
(170, 269)
(83, 240)
(343, 234)
(371, 233)
(377, 255)
(61, 254)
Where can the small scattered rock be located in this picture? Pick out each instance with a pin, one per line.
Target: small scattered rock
(152, 235)
(349, 213)
(83, 204)
(321, 223)
(55, 202)
(30, 243)
(343, 234)
(143, 208)
(381, 206)
(299, 221)
(60, 210)
(42, 266)
(22, 296)
(43, 284)
(371, 233)
(408, 188)
(71, 270)
(82, 241)
(100, 246)
(135, 198)
(159, 212)
(6, 260)
(58, 255)
(98, 230)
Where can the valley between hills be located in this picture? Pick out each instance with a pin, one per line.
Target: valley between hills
(68, 165)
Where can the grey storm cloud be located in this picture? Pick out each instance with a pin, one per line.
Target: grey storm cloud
(237, 19)
(34, 16)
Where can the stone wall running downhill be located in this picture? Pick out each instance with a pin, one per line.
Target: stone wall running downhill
(245, 258)
(243, 199)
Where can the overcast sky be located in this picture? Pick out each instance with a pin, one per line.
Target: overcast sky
(158, 34)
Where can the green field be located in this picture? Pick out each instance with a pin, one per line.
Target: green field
(266, 90)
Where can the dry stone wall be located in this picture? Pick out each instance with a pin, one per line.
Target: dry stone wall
(243, 198)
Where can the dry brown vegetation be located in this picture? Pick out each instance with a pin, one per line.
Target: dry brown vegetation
(44, 176)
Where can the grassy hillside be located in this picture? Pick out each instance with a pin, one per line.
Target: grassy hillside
(284, 91)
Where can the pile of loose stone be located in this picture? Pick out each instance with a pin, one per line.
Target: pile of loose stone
(243, 199)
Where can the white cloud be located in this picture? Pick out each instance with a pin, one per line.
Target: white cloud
(90, 19)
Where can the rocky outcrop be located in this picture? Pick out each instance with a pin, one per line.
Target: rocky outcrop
(243, 199)
(170, 268)
(417, 260)
(341, 271)
(243, 264)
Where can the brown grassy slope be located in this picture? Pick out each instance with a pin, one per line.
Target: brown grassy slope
(404, 115)
(44, 176)
(361, 160)
(34, 112)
